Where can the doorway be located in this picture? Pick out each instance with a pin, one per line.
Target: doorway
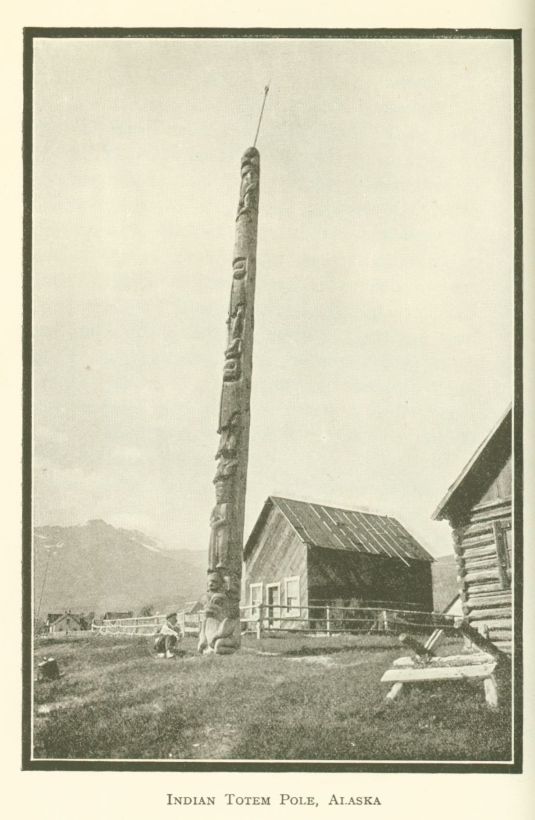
(273, 604)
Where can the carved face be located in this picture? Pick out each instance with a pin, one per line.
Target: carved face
(215, 582)
(226, 467)
(216, 607)
(234, 349)
(237, 320)
(231, 370)
(249, 160)
(239, 268)
(234, 421)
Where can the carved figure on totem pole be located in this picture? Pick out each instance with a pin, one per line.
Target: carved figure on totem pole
(230, 436)
(249, 182)
(220, 629)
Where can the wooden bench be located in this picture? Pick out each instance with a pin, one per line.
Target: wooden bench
(425, 666)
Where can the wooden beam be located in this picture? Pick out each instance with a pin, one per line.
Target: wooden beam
(434, 639)
(491, 600)
(394, 691)
(434, 673)
(485, 589)
(421, 650)
(491, 691)
(490, 574)
(478, 640)
(492, 623)
(447, 660)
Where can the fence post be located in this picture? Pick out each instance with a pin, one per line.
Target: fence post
(385, 620)
(328, 617)
(259, 622)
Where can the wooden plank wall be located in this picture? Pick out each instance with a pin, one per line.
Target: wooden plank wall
(484, 569)
(278, 554)
(345, 574)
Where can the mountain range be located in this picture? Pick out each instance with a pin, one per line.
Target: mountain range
(95, 567)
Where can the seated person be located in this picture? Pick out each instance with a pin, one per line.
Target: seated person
(167, 638)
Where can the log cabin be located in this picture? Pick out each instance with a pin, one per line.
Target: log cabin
(478, 506)
(300, 554)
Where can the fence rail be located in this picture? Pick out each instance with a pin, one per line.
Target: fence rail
(189, 624)
(145, 625)
(314, 619)
(334, 619)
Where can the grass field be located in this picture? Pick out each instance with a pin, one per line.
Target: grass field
(278, 699)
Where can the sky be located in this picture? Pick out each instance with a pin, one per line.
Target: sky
(383, 309)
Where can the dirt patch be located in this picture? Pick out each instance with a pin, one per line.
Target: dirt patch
(323, 660)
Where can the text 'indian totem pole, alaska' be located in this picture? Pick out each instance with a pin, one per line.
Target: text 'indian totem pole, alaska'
(220, 630)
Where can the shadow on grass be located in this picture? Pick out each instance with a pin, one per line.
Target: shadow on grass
(330, 650)
(305, 651)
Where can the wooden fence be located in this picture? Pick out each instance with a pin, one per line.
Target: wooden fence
(189, 624)
(74, 634)
(331, 620)
(146, 625)
(315, 619)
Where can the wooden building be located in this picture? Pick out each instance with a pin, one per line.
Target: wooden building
(115, 616)
(300, 554)
(66, 622)
(478, 506)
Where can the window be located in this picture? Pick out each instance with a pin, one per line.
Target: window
(292, 596)
(503, 541)
(508, 538)
(255, 599)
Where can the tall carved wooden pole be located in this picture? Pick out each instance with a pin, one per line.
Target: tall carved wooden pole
(220, 629)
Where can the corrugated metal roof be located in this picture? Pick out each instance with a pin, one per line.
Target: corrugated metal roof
(320, 525)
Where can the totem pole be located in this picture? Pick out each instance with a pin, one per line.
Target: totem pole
(220, 629)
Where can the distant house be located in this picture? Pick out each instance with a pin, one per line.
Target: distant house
(113, 616)
(478, 506)
(300, 554)
(66, 622)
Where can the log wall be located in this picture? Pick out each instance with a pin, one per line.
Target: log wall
(483, 548)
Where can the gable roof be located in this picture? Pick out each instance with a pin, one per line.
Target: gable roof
(115, 616)
(480, 471)
(319, 525)
(79, 619)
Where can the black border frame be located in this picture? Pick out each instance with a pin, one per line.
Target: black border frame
(29, 764)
